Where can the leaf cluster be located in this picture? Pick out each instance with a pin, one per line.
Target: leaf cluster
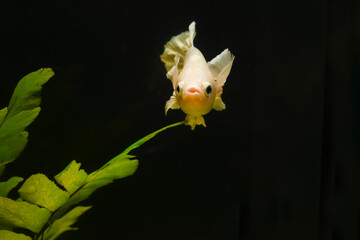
(48, 208)
(22, 110)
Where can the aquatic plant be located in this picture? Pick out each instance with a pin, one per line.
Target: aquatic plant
(43, 207)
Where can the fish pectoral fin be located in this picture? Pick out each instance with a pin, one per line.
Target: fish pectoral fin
(220, 66)
(219, 105)
(171, 103)
(192, 121)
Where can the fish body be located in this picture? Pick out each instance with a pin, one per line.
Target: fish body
(197, 83)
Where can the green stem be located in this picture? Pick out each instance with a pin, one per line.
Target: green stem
(142, 141)
(148, 137)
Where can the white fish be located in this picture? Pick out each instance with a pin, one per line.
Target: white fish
(197, 84)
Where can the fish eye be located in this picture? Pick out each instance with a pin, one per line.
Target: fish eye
(179, 87)
(208, 90)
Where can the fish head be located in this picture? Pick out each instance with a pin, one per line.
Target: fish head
(195, 98)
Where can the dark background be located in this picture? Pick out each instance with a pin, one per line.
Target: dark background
(281, 162)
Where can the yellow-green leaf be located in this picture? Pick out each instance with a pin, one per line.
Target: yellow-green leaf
(64, 223)
(5, 187)
(3, 113)
(72, 177)
(121, 166)
(16, 124)
(11, 147)
(12, 137)
(39, 190)
(22, 214)
(22, 110)
(8, 235)
(27, 92)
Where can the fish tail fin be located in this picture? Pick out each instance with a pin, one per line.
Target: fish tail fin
(220, 68)
(178, 45)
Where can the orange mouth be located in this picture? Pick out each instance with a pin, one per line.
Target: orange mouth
(194, 90)
(192, 94)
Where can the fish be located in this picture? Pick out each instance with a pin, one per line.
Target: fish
(197, 84)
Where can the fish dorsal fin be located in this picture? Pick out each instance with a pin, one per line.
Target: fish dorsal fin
(192, 34)
(220, 67)
(178, 44)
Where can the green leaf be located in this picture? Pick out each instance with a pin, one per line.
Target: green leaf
(64, 223)
(11, 147)
(121, 166)
(22, 214)
(26, 95)
(22, 110)
(12, 137)
(16, 124)
(8, 235)
(39, 190)
(6, 187)
(3, 113)
(71, 178)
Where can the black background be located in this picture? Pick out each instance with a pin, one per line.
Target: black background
(281, 162)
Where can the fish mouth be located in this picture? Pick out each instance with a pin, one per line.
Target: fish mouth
(192, 93)
(193, 90)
